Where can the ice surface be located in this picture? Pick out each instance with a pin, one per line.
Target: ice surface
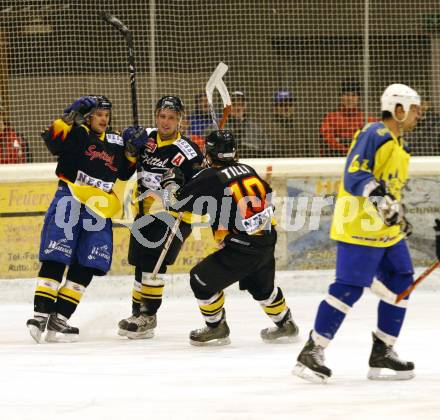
(109, 377)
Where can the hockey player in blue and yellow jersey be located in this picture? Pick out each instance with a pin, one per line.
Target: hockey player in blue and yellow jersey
(369, 227)
(77, 229)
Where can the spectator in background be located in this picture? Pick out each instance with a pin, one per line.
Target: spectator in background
(12, 146)
(425, 139)
(200, 119)
(197, 139)
(251, 140)
(338, 127)
(282, 128)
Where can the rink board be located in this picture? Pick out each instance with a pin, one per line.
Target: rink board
(27, 190)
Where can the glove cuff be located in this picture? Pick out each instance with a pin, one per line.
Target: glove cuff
(73, 117)
(374, 190)
(370, 188)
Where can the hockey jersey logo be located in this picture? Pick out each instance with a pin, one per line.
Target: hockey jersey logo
(151, 180)
(83, 179)
(151, 145)
(101, 155)
(115, 139)
(155, 161)
(178, 159)
(100, 252)
(258, 221)
(186, 148)
(61, 245)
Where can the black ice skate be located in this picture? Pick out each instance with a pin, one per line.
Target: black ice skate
(59, 331)
(384, 357)
(284, 329)
(310, 364)
(209, 336)
(138, 326)
(37, 326)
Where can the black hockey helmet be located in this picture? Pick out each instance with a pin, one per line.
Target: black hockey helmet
(220, 145)
(102, 101)
(170, 102)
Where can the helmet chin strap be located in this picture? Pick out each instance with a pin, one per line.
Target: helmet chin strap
(403, 119)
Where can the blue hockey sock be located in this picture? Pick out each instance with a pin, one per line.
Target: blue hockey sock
(390, 320)
(332, 310)
(391, 315)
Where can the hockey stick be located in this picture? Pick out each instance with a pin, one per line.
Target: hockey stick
(116, 23)
(166, 246)
(419, 279)
(216, 81)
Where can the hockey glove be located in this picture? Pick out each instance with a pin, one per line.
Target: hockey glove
(437, 237)
(78, 110)
(169, 198)
(389, 209)
(135, 137)
(173, 176)
(406, 227)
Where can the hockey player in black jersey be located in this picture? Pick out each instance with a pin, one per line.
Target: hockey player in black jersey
(156, 150)
(77, 229)
(238, 202)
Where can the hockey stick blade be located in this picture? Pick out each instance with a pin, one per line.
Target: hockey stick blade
(115, 22)
(422, 277)
(217, 75)
(216, 81)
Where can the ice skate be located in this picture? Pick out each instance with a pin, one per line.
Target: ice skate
(310, 364)
(59, 331)
(37, 326)
(138, 327)
(384, 357)
(287, 329)
(124, 323)
(209, 336)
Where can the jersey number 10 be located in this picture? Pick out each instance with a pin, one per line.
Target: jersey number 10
(249, 194)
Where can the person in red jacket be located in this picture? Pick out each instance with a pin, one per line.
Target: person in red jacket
(338, 127)
(12, 147)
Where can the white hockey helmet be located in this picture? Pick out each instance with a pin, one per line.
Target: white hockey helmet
(398, 94)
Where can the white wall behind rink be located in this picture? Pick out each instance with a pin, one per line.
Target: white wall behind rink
(298, 167)
(295, 282)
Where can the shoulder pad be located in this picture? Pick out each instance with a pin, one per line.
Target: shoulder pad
(114, 138)
(377, 133)
(383, 132)
(186, 148)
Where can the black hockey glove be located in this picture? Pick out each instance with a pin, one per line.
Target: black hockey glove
(406, 227)
(135, 137)
(78, 110)
(389, 209)
(173, 176)
(437, 237)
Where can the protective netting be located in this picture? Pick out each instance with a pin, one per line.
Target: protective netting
(292, 60)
